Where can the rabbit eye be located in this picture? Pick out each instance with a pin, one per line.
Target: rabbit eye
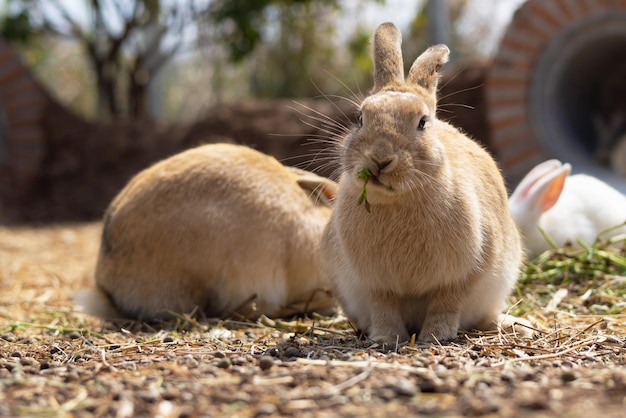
(360, 120)
(422, 123)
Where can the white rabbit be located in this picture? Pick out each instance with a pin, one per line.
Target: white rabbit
(433, 247)
(219, 228)
(566, 207)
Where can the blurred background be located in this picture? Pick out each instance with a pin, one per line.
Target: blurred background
(92, 91)
(174, 60)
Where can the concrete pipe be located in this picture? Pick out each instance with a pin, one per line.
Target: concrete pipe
(557, 87)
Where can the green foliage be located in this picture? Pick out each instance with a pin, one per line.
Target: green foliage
(17, 27)
(358, 48)
(243, 21)
(364, 174)
(461, 45)
(582, 279)
(126, 42)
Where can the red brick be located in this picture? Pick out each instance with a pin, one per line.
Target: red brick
(507, 112)
(6, 54)
(504, 101)
(565, 8)
(504, 123)
(18, 104)
(17, 86)
(9, 73)
(507, 139)
(499, 82)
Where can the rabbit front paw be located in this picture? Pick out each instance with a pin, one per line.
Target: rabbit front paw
(440, 327)
(389, 335)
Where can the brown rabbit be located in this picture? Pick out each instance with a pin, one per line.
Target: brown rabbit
(436, 250)
(221, 228)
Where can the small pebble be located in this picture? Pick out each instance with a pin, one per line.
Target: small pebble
(266, 409)
(150, 396)
(292, 352)
(238, 361)
(29, 361)
(72, 377)
(219, 354)
(404, 387)
(16, 354)
(478, 407)
(428, 386)
(74, 335)
(168, 339)
(266, 362)
(223, 363)
(274, 352)
(568, 376)
(507, 376)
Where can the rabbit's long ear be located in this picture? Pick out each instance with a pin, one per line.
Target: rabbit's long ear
(321, 190)
(387, 56)
(424, 71)
(541, 187)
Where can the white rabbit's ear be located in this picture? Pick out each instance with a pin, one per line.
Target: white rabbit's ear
(540, 189)
(424, 71)
(387, 56)
(322, 191)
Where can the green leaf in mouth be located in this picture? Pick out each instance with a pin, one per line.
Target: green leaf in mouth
(364, 174)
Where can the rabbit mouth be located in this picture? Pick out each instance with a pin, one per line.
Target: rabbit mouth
(377, 184)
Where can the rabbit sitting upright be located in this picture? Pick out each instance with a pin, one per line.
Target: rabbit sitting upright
(566, 207)
(433, 247)
(219, 228)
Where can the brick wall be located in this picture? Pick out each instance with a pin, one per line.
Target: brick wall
(21, 105)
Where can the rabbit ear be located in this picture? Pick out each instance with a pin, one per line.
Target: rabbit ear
(320, 190)
(387, 56)
(424, 71)
(541, 188)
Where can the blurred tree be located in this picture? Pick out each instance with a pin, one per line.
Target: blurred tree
(293, 45)
(287, 46)
(243, 20)
(289, 62)
(126, 42)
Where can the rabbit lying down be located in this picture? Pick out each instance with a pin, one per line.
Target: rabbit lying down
(566, 207)
(221, 228)
(433, 248)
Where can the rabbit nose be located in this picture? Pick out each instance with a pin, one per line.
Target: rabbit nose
(384, 163)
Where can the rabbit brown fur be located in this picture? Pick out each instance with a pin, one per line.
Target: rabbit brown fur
(221, 228)
(438, 250)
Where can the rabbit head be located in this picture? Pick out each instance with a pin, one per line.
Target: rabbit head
(393, 143)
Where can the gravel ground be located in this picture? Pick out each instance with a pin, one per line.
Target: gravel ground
(57, 361)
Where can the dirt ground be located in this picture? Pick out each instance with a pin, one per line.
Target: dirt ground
(57, 361)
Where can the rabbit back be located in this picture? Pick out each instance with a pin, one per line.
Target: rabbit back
(211, 228)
